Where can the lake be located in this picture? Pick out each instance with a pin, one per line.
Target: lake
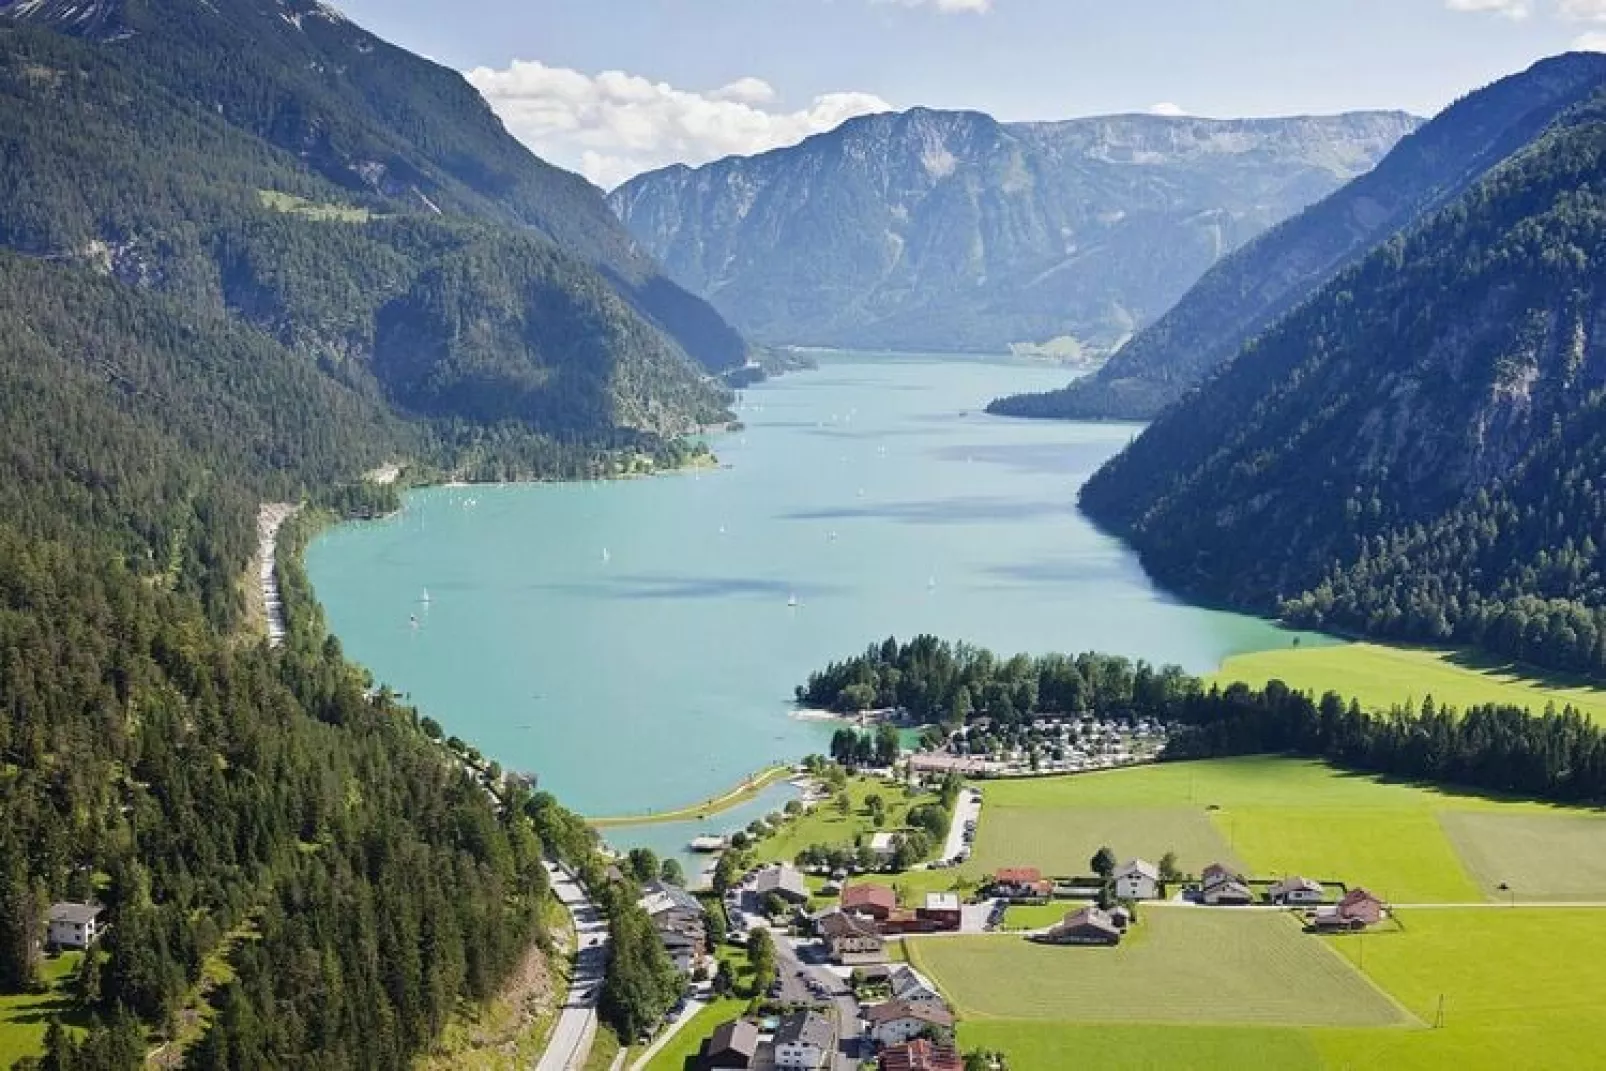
(635, 644)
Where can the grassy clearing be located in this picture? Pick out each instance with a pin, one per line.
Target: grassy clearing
(24, 1016)
(292, 205)
(1539, 857)
(604, 1049)
(1411, 843)
(1186, 965)
(1054, 1046)
(1381, 677)
(1063, 841)
(1521, 988)
(824, 824)
(681, 1052)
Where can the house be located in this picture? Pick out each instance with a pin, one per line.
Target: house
(883, 846)
(1228, 894)
(1021, 883)
(1216, 873)
(1356, 911)
(908, 986)
(74, 925)
(898, 1021)
(920, 1055)
(1297, 891)
(680, 922)
(1137, 880)
(732, 1044)
(804, 1041)
(785, 881)
(944, 909)
(873, 901)
(850, 939)
(1089, 926)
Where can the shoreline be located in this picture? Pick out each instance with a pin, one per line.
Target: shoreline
(708, 808)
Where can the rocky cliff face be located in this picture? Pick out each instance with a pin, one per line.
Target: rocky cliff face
(951, 231)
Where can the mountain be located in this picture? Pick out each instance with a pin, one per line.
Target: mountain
(951, 231)
(1247, 291)
(246, 253)
(1419, 451)
(276, 161)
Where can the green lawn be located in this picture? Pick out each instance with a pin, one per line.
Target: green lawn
(24, 1017)
(681, 1052)
(1521, 988)
(290, 204)
(825, 825)
(1183, 965)
(1410, 843)
(1382, 676)
(1539, 857)
(1037, 1046)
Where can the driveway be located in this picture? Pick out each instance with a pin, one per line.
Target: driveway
(966, 809)
(795, 968)
(571, 1039)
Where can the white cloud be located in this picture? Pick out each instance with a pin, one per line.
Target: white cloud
(1590, 42)
(613, 125)
(1166, 108)
(1511, 9)
(1584, 10)
(969, 7)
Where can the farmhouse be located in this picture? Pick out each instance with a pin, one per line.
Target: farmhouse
(1297, 891)
(850, 939)
(1137, 880)
(74, 925)
(1089, 926)
(682, 927)
(732, 1045)
(1356, 911)
(1021, 883)
(1216, 873)
(785, 881)
(873, 901)
(804, 1041)
(920, 1055)
(897, 1021)
(1228, 894)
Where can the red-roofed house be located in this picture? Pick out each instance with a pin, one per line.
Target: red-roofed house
(1021, 883)
(898, 1021)
(1358, 910)
(876, 901)
(920, 1055)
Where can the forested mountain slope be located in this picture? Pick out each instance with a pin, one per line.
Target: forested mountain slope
(392, 128)
(951, 231)
(1249, 290)
(1417, 451)
(198, 313)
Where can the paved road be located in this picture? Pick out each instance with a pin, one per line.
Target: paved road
(571, 1039)
(967, 808)
(794, 973)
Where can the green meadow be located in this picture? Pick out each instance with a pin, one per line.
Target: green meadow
(1381, 677)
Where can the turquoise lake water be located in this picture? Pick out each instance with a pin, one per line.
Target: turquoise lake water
(632, 643)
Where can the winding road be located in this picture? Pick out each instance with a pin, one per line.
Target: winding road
(570, 1044)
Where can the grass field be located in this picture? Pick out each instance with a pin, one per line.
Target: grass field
(1381, 676)
(1037, 1046)
(290, 204)
(1521, 988)
(1410, 843)
(1182, 965)
(24, 1017)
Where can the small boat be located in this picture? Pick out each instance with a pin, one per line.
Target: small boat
(425, 597)
(792, 601)
(412, 619)
(606, 557)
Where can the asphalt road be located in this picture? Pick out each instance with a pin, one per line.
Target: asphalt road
(794, 972)
(968, 808)
(571, 1039)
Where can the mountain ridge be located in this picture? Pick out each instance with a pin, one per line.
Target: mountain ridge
(1248, 290)
(949, 230)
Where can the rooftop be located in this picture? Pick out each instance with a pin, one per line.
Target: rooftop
(77, 914)
(738, 1035)
(920, 1055)
(866, 894)
(806, 1028)
(942, 901)
(1141, 867)
(893, 1010)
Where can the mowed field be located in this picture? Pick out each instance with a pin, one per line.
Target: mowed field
(1271, 816)
(1183, 965)
(1381, 677)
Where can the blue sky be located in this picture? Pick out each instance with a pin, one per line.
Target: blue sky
(611, 87)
